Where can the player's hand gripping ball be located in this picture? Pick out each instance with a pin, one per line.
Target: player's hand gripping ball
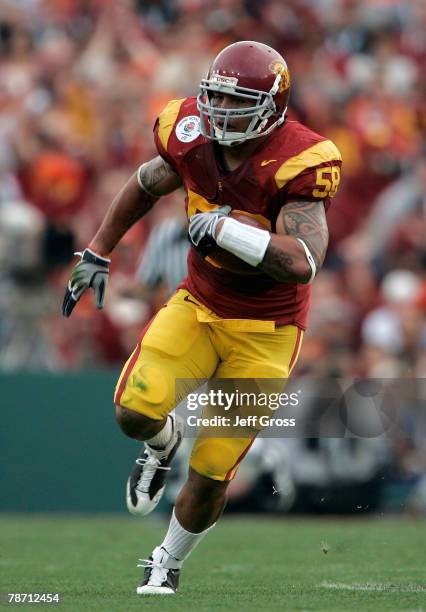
(91, 271)
(203, 228)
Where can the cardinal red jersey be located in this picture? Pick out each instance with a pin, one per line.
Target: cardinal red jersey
(292, 163)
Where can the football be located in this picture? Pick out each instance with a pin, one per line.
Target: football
(220, 258)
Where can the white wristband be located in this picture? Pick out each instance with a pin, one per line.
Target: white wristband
(245, 241)
(310, 259)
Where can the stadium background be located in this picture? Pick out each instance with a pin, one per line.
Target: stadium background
(81, 82)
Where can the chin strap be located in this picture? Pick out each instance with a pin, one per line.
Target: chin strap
(257, 133)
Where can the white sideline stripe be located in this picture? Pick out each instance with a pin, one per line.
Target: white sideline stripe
(341, 586)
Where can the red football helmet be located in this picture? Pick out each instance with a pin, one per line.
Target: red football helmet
(252, 71)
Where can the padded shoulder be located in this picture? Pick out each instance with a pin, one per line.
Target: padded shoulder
(315, 155)
(167, 119)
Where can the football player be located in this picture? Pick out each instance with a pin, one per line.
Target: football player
(232, 148)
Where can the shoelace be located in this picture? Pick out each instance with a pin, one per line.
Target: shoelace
(158, 574)
(150, 464)
(148, 563)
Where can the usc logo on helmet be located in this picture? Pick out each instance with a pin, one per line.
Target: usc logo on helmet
(281, 69)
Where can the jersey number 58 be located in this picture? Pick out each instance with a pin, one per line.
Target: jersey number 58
(328, 180)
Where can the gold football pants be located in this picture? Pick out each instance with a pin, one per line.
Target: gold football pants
(185, 340)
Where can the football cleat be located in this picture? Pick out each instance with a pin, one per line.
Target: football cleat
(161, 575)
(146, 483)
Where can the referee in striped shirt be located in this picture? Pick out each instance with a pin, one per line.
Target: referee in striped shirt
(163, 266)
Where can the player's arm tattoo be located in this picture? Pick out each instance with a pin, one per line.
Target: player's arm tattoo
(151, 181)
(157, 178)
(306, 220)
(285, 258)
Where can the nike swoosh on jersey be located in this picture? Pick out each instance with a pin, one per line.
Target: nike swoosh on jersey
(188, 299)
(267, 161)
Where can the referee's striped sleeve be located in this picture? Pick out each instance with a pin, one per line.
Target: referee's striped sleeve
(165, 256)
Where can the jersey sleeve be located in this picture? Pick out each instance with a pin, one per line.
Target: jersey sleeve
(314, 174)
(319, 183)
(163, 128)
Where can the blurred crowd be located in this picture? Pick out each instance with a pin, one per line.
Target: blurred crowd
(81, 83)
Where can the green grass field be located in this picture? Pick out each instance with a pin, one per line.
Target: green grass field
(246, 564)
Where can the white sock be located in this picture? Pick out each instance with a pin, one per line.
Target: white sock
(163, 437)
(179, 542)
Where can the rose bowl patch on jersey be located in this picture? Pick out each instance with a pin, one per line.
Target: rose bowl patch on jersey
(188, 129)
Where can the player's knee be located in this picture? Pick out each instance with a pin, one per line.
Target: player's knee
(135, 425)
(202, 489)
(128, 421)
(213, 459)
(148, 392)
